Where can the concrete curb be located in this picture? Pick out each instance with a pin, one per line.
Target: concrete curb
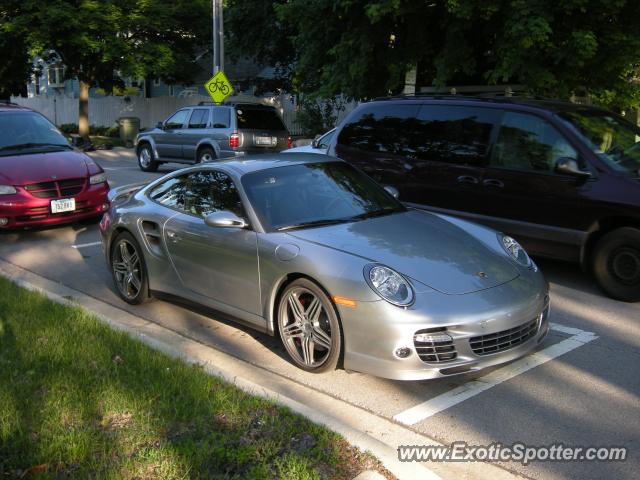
(359, 427)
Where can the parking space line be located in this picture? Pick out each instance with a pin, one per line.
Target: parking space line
(464, 392)
(83, 245)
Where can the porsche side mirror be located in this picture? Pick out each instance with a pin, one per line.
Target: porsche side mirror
(226, 220)
(393, 191)
(160, 125)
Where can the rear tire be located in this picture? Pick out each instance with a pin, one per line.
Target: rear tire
(146, 158)
(616, 264)
(206, 154)
(128, 269)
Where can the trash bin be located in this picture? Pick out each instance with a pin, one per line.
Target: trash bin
(129, 128)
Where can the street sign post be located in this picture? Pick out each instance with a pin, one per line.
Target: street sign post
(219, 87)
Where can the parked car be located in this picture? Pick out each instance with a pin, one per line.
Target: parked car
(318, 145)
(209, 132)
(559, 177)
(311, 249)
(43, 180)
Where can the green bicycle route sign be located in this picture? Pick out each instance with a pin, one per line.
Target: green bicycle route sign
(219, 87)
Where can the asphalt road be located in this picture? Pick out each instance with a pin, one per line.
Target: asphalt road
(580, 389)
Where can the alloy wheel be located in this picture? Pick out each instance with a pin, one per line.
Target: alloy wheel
(305, 328)
(144, 157)
(127, 269)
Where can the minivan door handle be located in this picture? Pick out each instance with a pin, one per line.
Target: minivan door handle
(492, 182)
(467, 179)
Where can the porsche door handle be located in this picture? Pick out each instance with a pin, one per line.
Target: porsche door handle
(173, 236)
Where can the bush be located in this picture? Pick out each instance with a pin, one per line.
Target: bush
(317, 116)
(69, 128)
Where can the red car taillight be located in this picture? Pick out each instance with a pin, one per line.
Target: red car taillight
(289, 142)
(234, 140)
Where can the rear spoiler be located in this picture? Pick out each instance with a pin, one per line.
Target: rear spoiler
(121, 193)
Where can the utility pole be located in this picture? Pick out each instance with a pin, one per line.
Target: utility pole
(218, 37)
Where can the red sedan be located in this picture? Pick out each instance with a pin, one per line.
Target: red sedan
(43, 180)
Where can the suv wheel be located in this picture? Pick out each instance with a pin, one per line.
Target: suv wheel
(616, 264)
(206, 154)
(146, 159)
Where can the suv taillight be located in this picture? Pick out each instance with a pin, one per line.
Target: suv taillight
(289, 142)
(234, 140)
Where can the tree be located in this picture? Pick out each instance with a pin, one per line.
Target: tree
(101, 42)
(16, 66)
(364, 48)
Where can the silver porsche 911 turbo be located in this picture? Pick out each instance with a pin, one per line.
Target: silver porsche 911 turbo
(313, 250)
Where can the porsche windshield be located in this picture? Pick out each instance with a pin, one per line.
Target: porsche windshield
(614, 140)
(315, 194)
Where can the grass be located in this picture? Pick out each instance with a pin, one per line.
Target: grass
(79, 400)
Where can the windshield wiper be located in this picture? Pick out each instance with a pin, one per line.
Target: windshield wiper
(377, 213)
(314, 223)
(22, 146)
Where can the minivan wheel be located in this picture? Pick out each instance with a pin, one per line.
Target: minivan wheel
(206, 154)
(309, 327)
(616, 264)
(146, 159)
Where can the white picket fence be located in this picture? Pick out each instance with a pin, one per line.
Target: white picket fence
(105, 111)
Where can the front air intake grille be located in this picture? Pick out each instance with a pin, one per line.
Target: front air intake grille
(504, 340)
(434, 347)
(56, 189)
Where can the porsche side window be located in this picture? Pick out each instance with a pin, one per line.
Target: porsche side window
(171, 193)
(210, 191)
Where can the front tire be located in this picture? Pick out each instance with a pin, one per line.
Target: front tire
(616, 264)
(146, 158)
(309, 327)
(129, 270)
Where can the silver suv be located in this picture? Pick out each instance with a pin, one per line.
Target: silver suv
(207, 132)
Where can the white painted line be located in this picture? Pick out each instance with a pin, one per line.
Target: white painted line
(564, 329)
(464, 392)
(83, 245)
(119, 168)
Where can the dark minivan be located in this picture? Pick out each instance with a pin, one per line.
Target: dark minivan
(564, 179)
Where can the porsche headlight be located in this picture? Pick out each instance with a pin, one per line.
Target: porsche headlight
(7, 189)
(515, 251)
(389, 284)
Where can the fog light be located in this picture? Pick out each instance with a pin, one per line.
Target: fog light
(432, 338)
(3, 221)
(105, 207)
(403, 352)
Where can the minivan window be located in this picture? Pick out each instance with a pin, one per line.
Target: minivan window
(455, 134)
(526, 142)
(613, 140)
(440, 133)
(199, 118)
(27, 131)
(259, 119)
(386, 128)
